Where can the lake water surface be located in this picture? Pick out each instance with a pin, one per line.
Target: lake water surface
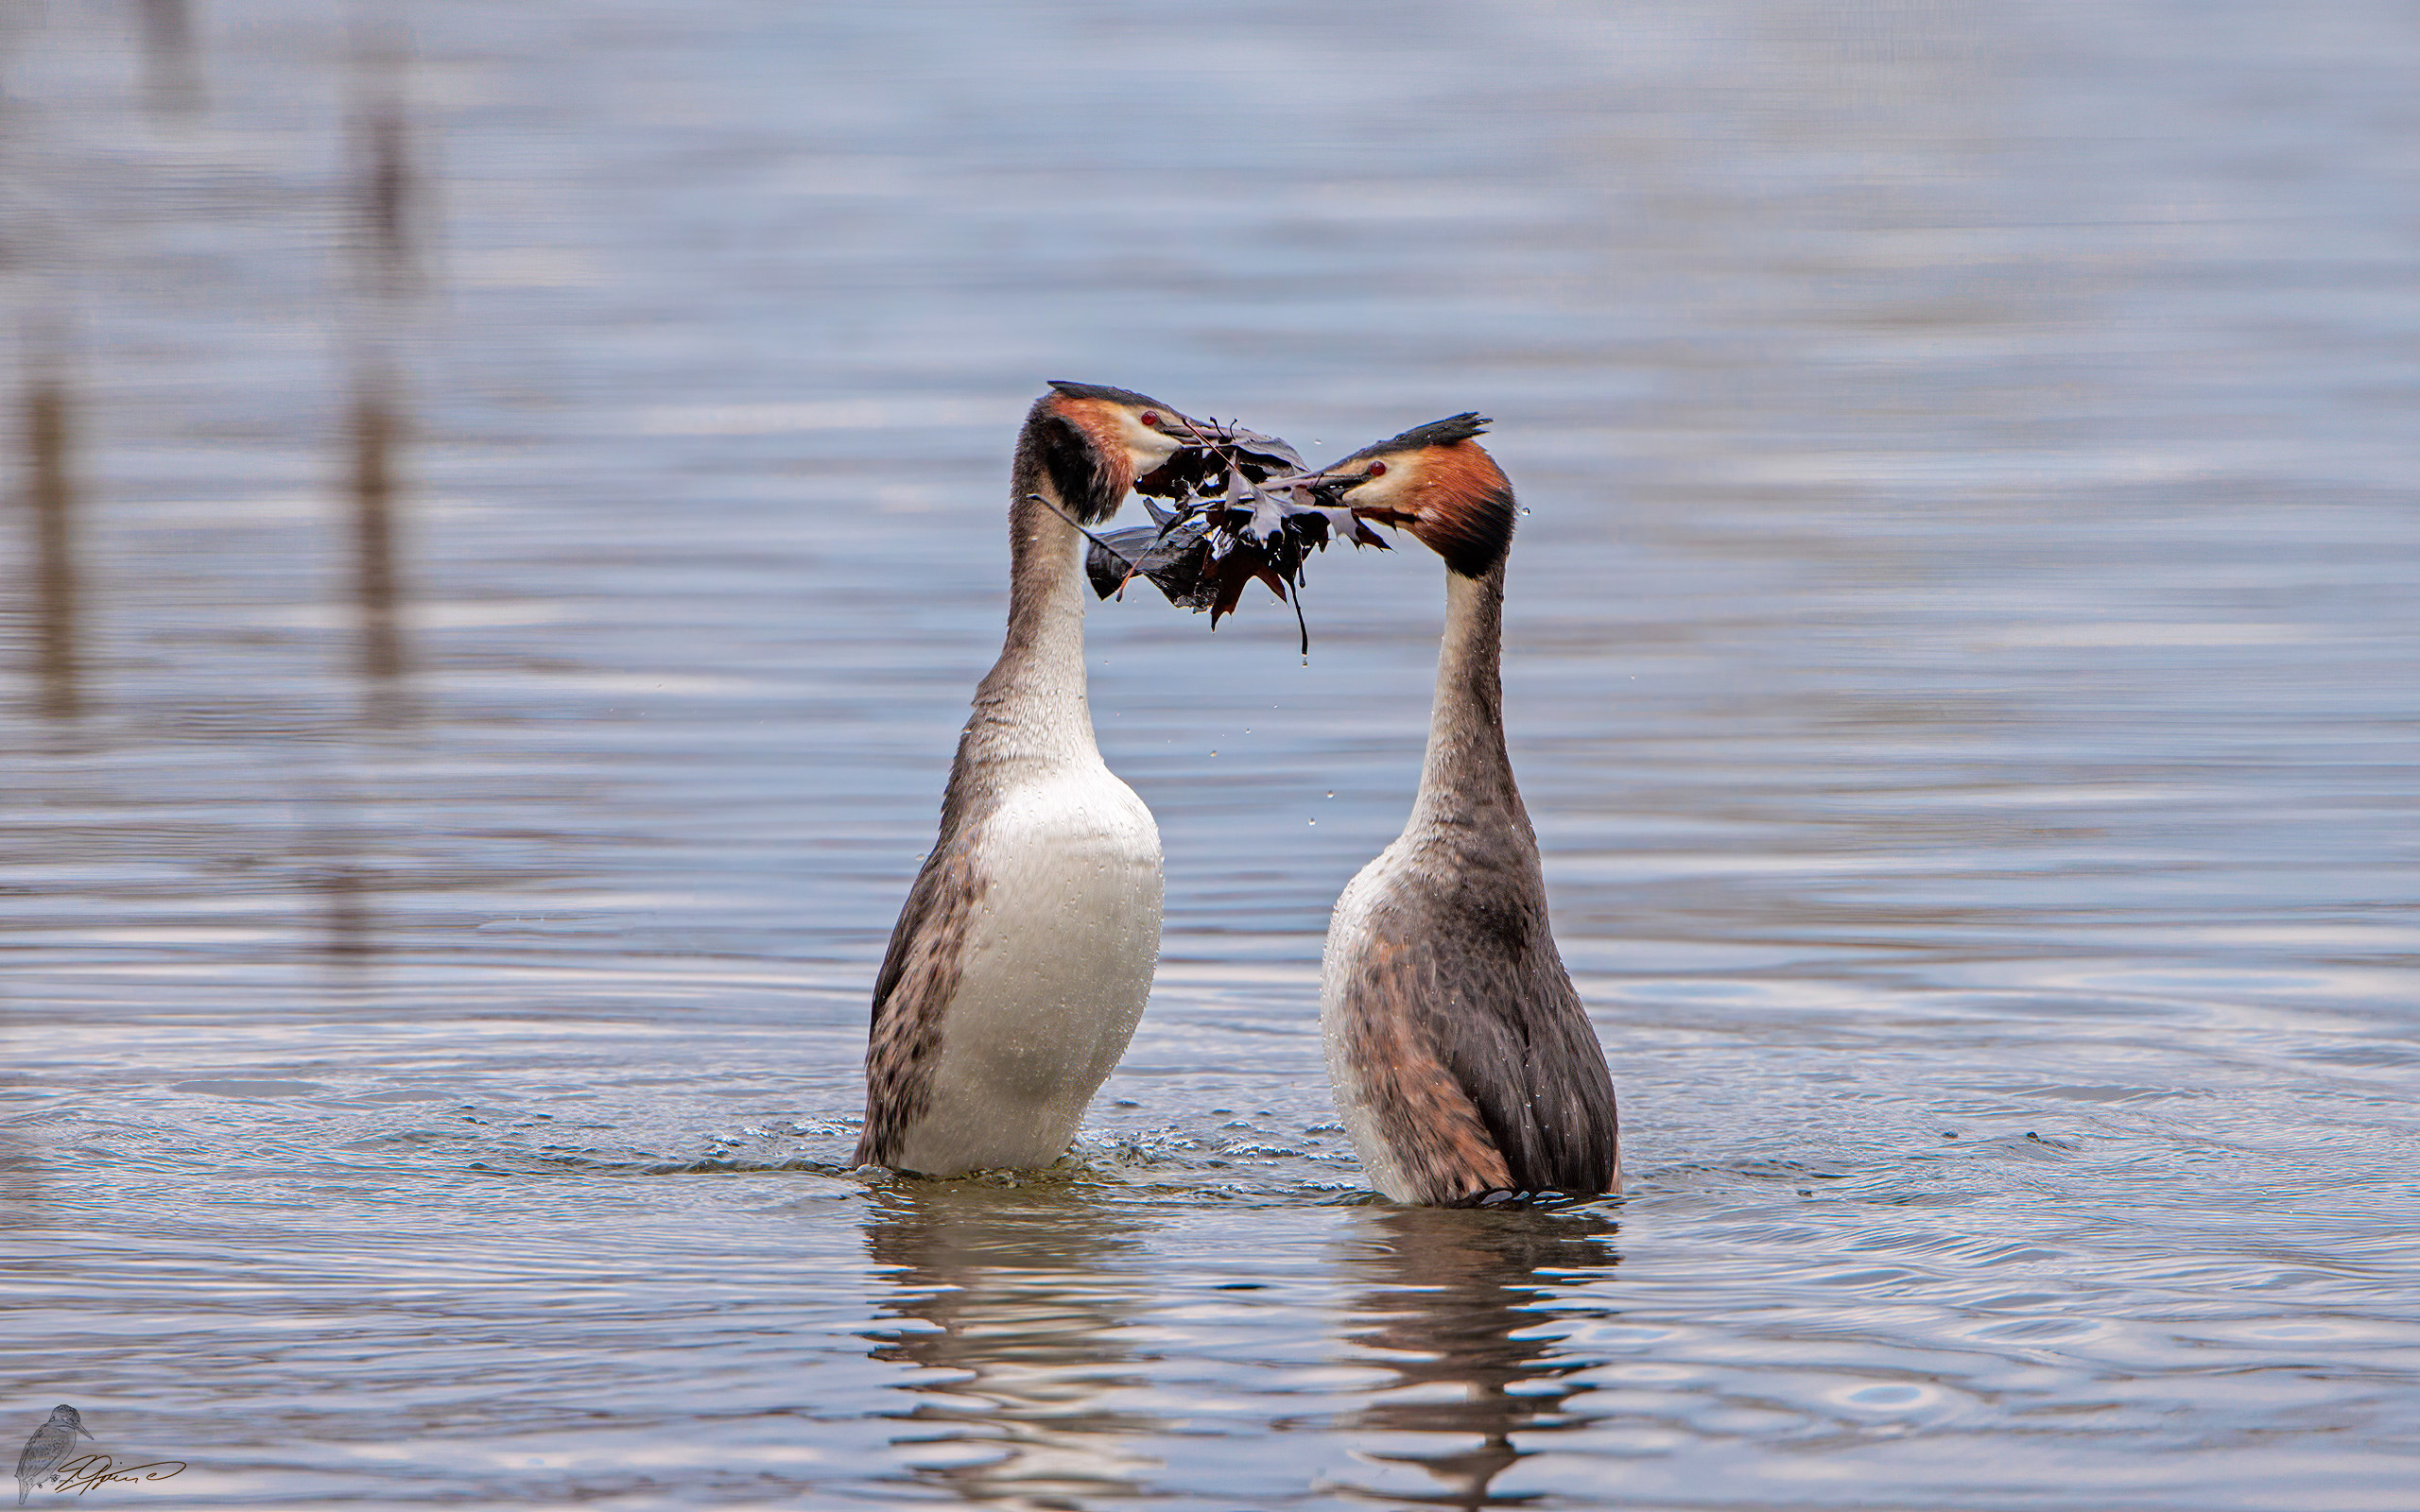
(482, 654)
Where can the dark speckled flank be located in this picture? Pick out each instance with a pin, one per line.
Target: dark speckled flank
(919, 975)
(1433, 1128)
(1484, 1072)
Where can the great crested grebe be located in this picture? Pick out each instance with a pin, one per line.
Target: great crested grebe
(1463, 1061)
(1022, 958)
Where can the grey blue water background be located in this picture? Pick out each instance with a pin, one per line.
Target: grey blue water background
(1962, 664)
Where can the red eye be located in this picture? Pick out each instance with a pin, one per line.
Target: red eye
(1151, 417)
(1375, 468)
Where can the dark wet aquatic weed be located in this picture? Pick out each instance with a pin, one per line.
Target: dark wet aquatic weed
(1243, 508)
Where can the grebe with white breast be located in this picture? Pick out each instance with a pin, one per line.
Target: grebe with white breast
(1023, 957)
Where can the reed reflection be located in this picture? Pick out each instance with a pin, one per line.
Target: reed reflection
(171, 67)
(1450, 1302)
(387, 198)
(376, 426)
(384, 198)
(51, 497)
(1014, 1302)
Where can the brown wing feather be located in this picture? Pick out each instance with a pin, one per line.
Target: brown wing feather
(1472, 979)
(1421, 1111)
(919, 976)
(1538, 1075)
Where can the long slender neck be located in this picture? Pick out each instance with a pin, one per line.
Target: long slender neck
(1467, 777)
(1031, 705)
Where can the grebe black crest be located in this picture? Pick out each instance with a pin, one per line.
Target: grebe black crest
(1463, 1063)
(1024, 953)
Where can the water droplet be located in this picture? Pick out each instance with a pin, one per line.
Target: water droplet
(1331, 792)
(1315, 824)
(1524, 512)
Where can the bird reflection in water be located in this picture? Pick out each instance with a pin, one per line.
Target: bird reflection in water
(1453, 1307)
(1013, 1302)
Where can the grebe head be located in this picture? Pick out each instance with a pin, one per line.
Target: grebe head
(1437, 482)
(1097, 440)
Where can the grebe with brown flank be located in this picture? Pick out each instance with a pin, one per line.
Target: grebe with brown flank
(1463, 1061)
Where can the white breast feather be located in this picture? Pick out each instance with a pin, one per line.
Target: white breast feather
(1057, 968)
